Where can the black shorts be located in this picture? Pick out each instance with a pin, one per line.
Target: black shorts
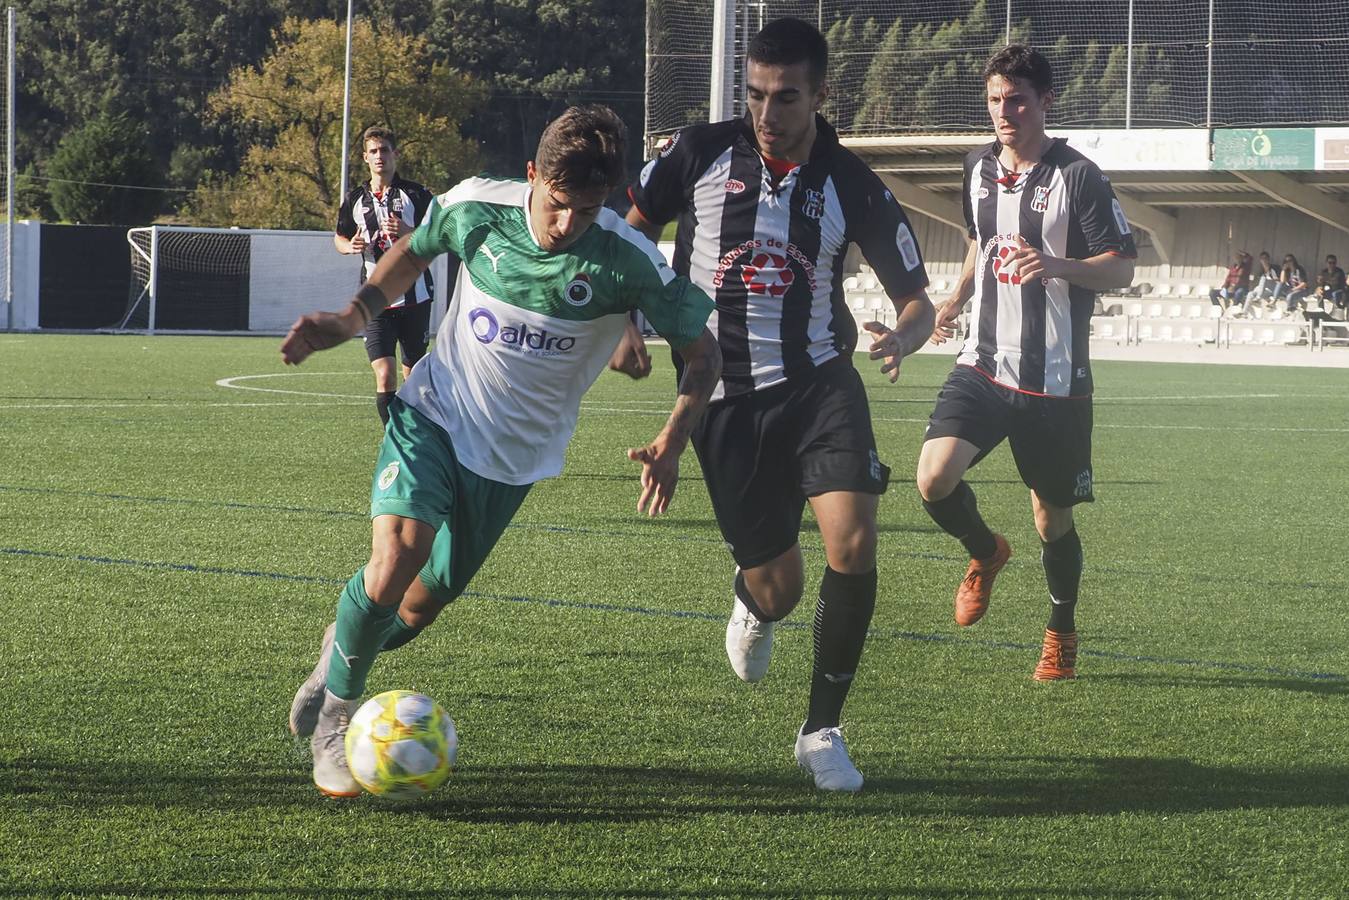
(765, 452)
(1050, 436)
(408, 326)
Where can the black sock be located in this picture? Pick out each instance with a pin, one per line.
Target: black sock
(842, 617)
(382, 399)
(1062, 560)
(743, 595)
(958, 515)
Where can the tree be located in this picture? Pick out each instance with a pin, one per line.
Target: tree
(539, 56)
(291, 109)
(107, 151)
(152, 60)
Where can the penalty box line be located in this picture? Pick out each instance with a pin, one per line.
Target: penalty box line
(688, 615)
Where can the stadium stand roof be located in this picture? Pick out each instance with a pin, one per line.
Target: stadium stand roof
(924, 171)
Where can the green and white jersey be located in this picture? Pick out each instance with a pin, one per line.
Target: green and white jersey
(527, 331)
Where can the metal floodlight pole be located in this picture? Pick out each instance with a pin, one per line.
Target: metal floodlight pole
(346, 110)
(9, 171)
(1007, 31)
(1208, 101)
(1129, 73)
(722, 82)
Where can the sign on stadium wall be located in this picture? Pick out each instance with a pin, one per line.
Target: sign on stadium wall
(1332, 149)
(1142, 150)
(1286, 149)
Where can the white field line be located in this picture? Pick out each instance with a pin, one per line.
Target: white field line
(231, 383)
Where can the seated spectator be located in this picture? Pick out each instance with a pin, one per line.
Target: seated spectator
(1330, 288)
(1237, 284)
(1266, 276)
(1292, 283)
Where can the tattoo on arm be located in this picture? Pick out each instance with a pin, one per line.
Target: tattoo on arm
(701, 372)
(371, 301)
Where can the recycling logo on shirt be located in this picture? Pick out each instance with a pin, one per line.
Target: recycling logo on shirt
(1005, 272)
(767, 273)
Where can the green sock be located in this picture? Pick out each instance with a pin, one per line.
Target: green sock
(362, 628)
(397, 634)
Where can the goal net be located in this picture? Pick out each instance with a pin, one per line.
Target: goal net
(913, 65)
(225, 280)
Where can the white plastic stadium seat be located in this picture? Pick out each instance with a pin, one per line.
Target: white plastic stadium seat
(850, 284)
(1175, 310)
(1162, 290)
(1195, 310)
(1154, 310)
(1133, 308)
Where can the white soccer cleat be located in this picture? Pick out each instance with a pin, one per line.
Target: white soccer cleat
(824, 755)
(304, 709)
(749, 643)
(329, 744)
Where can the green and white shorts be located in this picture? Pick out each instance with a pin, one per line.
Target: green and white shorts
(419, 477)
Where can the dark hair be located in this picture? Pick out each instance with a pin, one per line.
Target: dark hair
(1017, 61)
(787, 41)
(378, 132)
(583, 149)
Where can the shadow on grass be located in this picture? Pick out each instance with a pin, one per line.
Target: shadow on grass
(1327, 687)
(571, 794)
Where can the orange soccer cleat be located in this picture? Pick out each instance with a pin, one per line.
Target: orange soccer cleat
(1058, 658)
(973, 593)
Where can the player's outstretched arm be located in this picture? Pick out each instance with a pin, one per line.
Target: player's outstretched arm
(913, 328)
(660, 458)
(397, 271)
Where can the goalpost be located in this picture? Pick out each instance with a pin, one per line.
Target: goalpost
(188, 280)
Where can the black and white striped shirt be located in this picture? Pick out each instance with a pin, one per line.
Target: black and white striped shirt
(770, 250)
(1033, 337)
(364, 212)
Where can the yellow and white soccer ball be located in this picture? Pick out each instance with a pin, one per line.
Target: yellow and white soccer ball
(401, 745)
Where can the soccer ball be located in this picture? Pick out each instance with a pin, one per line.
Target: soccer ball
(401, 745)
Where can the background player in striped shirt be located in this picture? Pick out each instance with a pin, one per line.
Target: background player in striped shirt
(548, 279)
(1047, 234)
(373, 216)
(767, 207)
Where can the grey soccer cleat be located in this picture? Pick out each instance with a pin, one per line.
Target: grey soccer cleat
(824, 755)
(304, 709)
(332, 776)
(749, 642)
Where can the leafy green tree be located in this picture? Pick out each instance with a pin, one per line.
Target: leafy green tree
(850, 54)
(291, 109)
(152, 60)
(107, 151)
(539, 56)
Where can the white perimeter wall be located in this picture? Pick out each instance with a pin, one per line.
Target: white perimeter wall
(27, 253)
(292, 273)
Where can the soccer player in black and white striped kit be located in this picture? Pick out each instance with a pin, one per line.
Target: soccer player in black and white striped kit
(1046, 234)
(767, 207)
(372, 218)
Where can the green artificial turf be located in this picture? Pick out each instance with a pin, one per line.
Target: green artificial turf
(170, 550)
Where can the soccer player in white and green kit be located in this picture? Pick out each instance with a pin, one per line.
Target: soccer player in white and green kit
(544, 290)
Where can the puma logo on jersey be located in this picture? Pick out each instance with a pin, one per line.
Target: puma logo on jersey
(345, 658)
(495, 258)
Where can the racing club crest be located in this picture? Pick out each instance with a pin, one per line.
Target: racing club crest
(814, 204)
(1040, 203)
